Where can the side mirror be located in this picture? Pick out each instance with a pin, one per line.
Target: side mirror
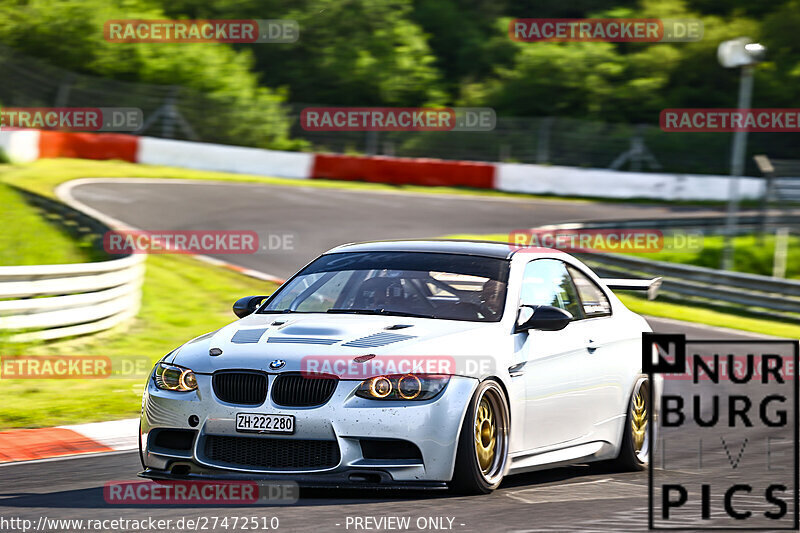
(542, 317)
(247, 305)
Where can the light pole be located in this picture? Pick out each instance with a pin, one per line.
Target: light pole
(744, 53)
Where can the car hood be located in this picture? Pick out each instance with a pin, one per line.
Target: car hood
(463, 348)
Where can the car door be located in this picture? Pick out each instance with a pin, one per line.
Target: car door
(558, 371)
(609, 371)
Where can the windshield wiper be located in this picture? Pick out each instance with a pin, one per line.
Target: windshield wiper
(385, 312)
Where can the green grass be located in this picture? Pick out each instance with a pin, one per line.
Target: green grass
(752, 254)
(29, 239)
(689, 313)
(182, 298)
(711, 317)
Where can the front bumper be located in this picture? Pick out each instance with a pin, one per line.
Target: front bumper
(433, 426)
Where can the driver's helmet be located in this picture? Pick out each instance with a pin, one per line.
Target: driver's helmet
(491, 295)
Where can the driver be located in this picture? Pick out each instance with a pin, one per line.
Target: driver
(492, 297)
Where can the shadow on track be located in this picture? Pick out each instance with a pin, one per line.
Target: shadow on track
(92, 498)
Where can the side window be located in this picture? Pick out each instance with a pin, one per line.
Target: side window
(547, 282)
(593, 300)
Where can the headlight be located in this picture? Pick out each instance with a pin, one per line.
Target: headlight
(177, 378)
(402, 387)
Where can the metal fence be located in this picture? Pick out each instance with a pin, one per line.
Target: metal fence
(783, 179)
(750, 293)
(743, 293)
(183, 113)
(53, 301)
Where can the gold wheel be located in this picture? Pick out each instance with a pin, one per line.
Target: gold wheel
(485, 435)
(639, 418)
(489, 447)
(638, 422)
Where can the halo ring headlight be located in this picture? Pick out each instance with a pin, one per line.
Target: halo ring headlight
(380, 387)
(174, 378)
(409, 387)
(188, 380)
(403, 387)
(171, 378)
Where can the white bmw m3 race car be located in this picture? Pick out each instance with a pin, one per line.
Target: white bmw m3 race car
(419, 364)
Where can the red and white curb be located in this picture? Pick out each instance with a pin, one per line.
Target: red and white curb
(27, 146)
(46, 443)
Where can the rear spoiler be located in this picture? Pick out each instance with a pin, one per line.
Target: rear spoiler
(649, 285)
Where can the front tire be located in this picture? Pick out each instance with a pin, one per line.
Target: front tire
(635, 452)
(483, 442)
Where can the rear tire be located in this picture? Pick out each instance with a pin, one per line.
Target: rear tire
(634, 454)
(483, 442)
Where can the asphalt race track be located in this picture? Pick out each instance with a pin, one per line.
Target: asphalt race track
(319, 219)
(577, 498)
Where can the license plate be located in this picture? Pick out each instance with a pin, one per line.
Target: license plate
(258, 423)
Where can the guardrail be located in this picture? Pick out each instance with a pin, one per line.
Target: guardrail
(53, 301)
(706, 224)
(759, 295)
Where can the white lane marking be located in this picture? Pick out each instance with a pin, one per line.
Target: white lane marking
(672, 470)
(97, 195)
(601, 489)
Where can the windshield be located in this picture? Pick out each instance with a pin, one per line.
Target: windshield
(428, 285)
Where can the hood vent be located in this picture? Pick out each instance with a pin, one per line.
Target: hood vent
(378, 339)
(301, 340)
(248, 336)
(309, 331)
